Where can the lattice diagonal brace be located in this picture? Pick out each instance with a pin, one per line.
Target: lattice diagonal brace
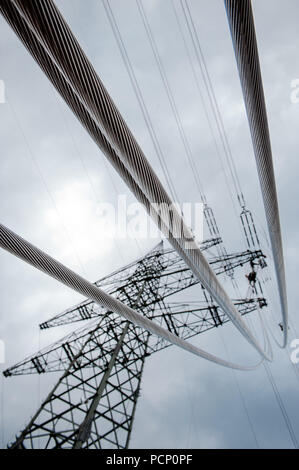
(174, 276)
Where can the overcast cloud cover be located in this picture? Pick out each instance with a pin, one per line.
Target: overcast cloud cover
(53, 178)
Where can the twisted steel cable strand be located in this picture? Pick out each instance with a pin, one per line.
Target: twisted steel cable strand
(241, 22)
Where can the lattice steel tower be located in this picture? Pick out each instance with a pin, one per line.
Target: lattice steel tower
(94, 402)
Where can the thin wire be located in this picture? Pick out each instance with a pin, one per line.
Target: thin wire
(279, 400)
(221, 249)
(140, 98)
(76, 149)
(211, 95)
(235, 378)
(212, 225)
(114, 184)
(46, 187)
(190, 402)
(288, 350)
(281, 406)
(172, 102)
(205, 109)
(72, 138)
(215, 112)
(213, 102)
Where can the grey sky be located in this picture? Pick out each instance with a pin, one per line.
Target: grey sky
(53, 177)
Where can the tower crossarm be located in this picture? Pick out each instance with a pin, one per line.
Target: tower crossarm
(170, 271)
(190, 319)
(183, 319)
(58, 355)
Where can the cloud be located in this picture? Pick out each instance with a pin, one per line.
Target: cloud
(54, 177)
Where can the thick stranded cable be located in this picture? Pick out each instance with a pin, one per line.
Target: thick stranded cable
(241, 22)
(24, 250)
(65, 57)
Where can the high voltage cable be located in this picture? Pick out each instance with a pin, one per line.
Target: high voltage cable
(49, 39)
(241, 22)
(251, 234)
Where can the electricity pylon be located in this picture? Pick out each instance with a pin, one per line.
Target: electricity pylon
(94, 402)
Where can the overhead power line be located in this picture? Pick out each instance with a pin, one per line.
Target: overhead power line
(139, 95)
(203, 104)
(171, 99)
(47, 36)
(212, 99)
(281, 406)
(208, 211)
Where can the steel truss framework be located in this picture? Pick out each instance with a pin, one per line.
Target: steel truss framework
(93, 403)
